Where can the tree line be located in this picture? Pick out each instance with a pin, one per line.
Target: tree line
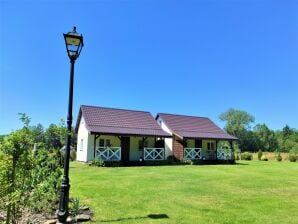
(52, 137)
(238, 123)
(258, 137)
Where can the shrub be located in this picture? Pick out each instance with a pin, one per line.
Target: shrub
(264, 158)
(45, 182)
(75, 207)
(186, 162)
(237, 156)
(292, 157)
(293, 154)
(73, 155)
(278, 157)
(246, 156)
(260, 154)
(98, 162)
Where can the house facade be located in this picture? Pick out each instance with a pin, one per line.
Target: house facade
(119, 135)
(195, 138)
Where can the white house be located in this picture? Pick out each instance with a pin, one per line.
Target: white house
(119, 135)
(194, 138)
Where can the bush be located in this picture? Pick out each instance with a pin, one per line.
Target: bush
(186, 162)
(292, 157)
(246, 156)
(73, 155)
(75, 207)
(293, 154)
(45, 182)
(278, 157)
(237, 156)
(264, 158)
(260, 154)
(98, 162)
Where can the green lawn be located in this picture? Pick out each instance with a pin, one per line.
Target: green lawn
(250, 192)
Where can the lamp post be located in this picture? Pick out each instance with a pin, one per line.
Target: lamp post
(74, 44)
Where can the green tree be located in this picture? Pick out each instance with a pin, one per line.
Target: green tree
(266, 139)
(38, 135)
(287, 132)
(16, 162)
(238, 124)
(287, 139)
(55, 135)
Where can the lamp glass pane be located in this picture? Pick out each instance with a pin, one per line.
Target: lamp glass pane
(72, 41)
(72, 48)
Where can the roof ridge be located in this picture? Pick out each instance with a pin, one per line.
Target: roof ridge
(203, 131)
(124, 127)
(181, 115)
(115, 108)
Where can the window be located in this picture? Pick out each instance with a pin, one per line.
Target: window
(198, 143)
(211, 146)
(108, 143)
(81, 144)
(105, 142)
(101, 142)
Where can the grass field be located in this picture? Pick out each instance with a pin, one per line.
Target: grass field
(250, 192)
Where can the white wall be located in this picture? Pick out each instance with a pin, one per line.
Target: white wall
(90, 148)
(168, 141)
(82, 141)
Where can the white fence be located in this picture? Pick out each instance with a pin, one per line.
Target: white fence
(108, 153)
(154, 153)
(224, 154)
(192, 153)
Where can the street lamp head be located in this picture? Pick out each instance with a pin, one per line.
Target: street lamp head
(74, 44)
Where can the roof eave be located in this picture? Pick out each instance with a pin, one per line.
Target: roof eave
(129, 134)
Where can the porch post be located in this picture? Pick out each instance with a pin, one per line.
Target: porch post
(232, 150)
(143, 146)
(94, 144)
(216, 149)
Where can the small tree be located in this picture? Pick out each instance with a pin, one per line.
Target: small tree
(15, 169)
(278, 157)
(260, 153)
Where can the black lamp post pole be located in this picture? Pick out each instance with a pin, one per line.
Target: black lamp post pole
(64, 191)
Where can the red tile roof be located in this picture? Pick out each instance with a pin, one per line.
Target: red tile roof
(119, 121)
(194, 127)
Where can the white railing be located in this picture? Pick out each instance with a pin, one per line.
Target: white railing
(154, 153)
(224, 154)
(108, 153)
(192, 153)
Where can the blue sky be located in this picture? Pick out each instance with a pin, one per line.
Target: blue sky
(184, 57)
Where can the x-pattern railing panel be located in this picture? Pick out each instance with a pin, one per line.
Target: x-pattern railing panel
(109, 153)
(153, 153)
(192, 153)
(224, 154)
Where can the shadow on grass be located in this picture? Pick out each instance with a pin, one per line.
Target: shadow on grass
(150, 216)
(241, 163)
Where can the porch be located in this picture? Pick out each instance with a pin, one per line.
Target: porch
(204, 154)
(128, 148)
(114, 154)
(203, 149)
